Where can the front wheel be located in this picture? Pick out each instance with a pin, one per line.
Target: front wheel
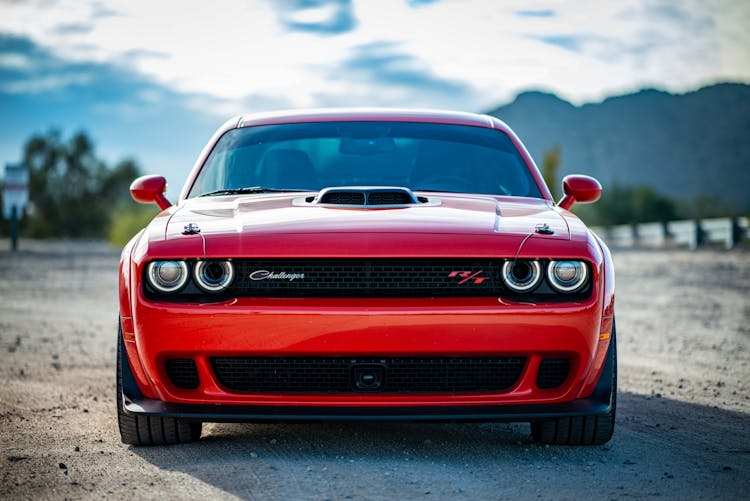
(582, 430)
(149, 430)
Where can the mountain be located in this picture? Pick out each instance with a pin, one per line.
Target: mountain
(683, 145)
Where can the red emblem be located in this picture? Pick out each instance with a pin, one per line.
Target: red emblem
(468, 275)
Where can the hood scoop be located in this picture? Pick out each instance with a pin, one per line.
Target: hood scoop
(368, 197)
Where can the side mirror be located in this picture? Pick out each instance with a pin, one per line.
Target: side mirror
(150, 189)
(579, 189)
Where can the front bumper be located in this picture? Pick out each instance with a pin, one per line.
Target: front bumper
(361, 328)
(600, 402)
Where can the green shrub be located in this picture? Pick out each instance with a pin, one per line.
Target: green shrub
(129, 221)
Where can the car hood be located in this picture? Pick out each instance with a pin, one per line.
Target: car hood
(286, 214)
(285, 225)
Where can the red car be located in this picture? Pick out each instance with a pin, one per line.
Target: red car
(360, 264)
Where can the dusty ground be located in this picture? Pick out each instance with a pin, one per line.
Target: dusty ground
(683, 427)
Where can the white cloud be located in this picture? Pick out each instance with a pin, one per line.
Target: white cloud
(313, 14)
(583, 50)
(15, 61)
(43, 83)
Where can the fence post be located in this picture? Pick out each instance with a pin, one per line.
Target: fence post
(737, 232)
(700, 234)
(14, 228)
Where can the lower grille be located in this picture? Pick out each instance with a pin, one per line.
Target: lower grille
(340, 374)
(183, 373)
(552, 372)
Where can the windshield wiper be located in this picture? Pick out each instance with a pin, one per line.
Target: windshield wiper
(249, 189)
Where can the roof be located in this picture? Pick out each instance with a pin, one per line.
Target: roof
(367, 114)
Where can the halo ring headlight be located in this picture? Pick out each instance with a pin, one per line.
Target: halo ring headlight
(567, 276)
(521, 275)
(213, 276)
(167, 276)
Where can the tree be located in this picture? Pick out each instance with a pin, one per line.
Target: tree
(633, 204)
(550, 170)
(72, 192)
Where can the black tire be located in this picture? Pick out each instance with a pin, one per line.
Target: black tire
(582, 430)
(150, 430)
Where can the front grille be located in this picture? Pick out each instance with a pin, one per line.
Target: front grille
(552, 372)
(368, 278)
(183, 373)
(337, 375)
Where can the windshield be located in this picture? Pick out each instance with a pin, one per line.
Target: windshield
(419, 156)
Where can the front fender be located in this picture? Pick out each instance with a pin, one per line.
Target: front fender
(127, 285)
(606, 328)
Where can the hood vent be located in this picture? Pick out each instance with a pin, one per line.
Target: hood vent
(389, 198)
(359, 196)
(342, 198)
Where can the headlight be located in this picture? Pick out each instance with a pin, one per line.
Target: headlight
(167, 276)
(567, 276)
(521, 275)
(213, 276)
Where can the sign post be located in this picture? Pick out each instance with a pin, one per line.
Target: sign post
(15, 198)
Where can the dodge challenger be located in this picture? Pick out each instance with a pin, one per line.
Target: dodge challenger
(366, 264)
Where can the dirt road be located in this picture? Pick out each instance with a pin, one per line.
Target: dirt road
(683, 424)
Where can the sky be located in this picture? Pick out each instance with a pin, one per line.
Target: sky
(153, 79)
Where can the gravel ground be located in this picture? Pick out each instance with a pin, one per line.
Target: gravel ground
(682, 426)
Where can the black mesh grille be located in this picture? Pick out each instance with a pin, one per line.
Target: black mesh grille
(399, 375)
(182, 373)
(552, 372)
(389, 198)
(368, 278)
(344, 198)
